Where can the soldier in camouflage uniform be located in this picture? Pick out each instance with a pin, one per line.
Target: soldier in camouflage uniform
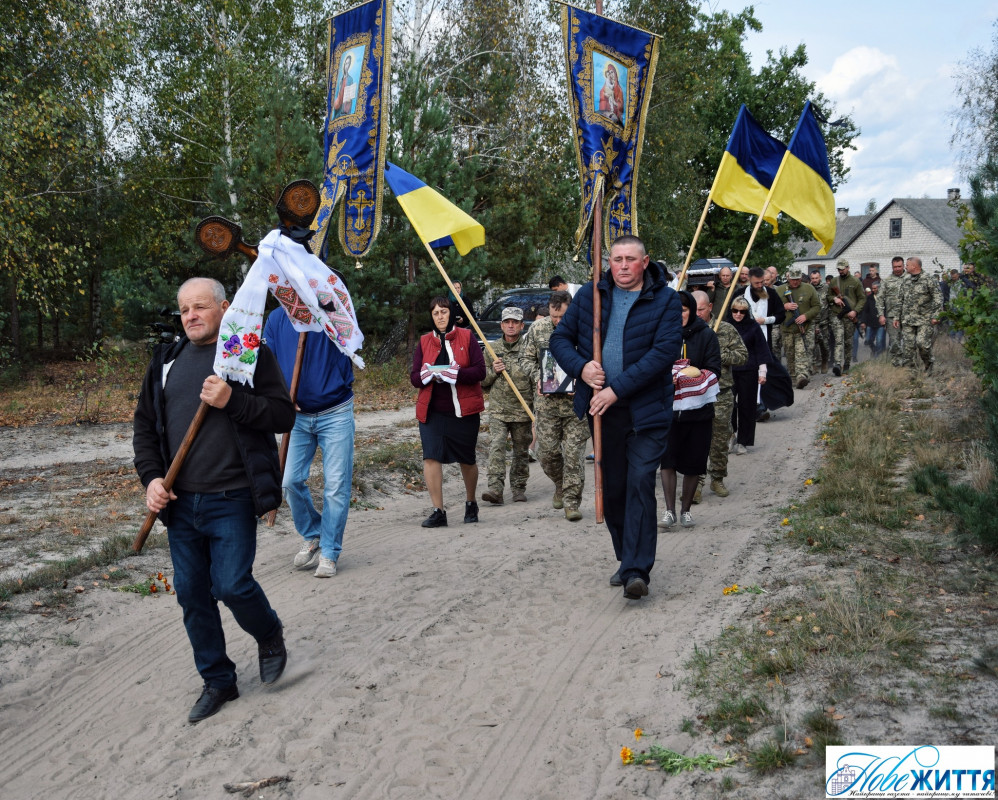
(845, 292)
(733, 354)
(921, 307)
(889, 305)
(802, 306)
(507, 417)
(820, 351)
(561, 436)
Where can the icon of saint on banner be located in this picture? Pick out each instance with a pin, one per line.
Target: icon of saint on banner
(348, 70)
(611, 101)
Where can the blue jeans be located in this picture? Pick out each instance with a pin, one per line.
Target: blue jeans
(630, 474)
(213, 544)
(332, 432)
(875, 339)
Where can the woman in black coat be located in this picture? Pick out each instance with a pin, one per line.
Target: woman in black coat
(691, 430)
(749, 376)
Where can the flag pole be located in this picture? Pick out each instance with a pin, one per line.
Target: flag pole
(596, 258)
(741, 265)
(471, 318)
(597, 261)
(286, 437)
(696, 236)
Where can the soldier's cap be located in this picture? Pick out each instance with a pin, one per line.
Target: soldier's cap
(842, 263)
(512, 312)
(795, 275)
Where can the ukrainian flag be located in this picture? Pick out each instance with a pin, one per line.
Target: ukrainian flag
(436, 220)
(804, 187)
(748, 168)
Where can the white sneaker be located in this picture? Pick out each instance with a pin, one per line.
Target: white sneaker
(687, 519)
(732, 441)
(668, 520)
(740, 449)
(307, 553)
(326, 568)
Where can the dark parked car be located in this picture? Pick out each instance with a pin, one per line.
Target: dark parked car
(533, 301)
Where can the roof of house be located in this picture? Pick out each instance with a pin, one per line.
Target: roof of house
(936, 214)
(846, 230)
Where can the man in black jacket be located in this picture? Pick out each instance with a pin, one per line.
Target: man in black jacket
(767, 309)
(231, 476)
(631, 390)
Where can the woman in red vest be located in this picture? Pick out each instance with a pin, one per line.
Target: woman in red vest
(448, 369)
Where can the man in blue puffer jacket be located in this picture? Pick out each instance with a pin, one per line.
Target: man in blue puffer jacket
(631, 390)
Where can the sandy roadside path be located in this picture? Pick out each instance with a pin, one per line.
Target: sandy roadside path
(486, 661)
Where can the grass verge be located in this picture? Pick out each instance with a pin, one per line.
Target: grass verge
(883, 613)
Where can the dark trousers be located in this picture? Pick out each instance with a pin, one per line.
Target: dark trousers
(630, 464)
(746, 387)
(212, 545)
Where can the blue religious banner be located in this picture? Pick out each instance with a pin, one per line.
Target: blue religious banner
(611, 67)
(358, 70)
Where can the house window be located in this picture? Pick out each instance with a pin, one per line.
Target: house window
(896, 228)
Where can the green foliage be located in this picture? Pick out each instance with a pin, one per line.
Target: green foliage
(126, 124)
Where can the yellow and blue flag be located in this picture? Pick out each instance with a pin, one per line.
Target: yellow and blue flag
(748, 168)
(803, 189)
(436, 220)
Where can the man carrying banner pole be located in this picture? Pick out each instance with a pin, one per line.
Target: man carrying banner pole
(610, 70)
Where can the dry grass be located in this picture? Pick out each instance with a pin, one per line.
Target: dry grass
(106, 389)
(865, 632)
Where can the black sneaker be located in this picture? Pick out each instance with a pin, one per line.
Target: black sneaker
(210, 701)
(438, 519)
(273, 657)
(836, 370)
(471, 511)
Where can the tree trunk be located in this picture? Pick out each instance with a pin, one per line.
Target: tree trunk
(15, 318)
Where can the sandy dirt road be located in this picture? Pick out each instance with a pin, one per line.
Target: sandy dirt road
(474, 661)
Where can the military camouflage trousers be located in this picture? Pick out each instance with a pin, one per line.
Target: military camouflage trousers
(894, 343)
(561, 443)
(776, 341)
(519, 471)
(821, 350)
(916, 345)
(842, 329)
(717, 462)
(799, 349)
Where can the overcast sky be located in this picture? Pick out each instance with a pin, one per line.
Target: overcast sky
(890, 65)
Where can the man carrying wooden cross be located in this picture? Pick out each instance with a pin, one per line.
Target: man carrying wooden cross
(231, 477)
